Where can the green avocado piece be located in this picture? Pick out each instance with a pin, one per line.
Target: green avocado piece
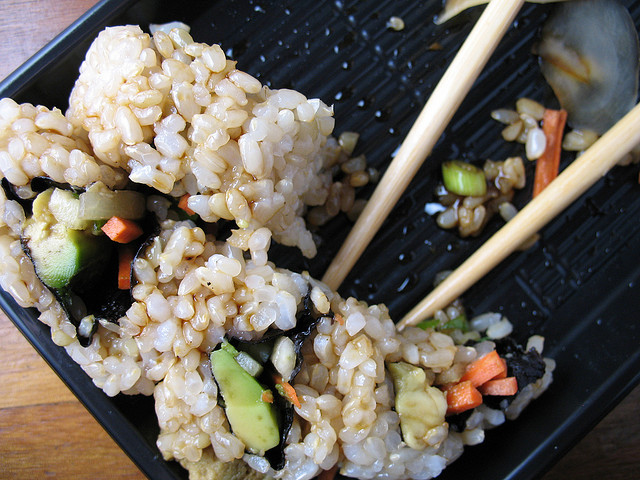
(60, 253)
(252, 419)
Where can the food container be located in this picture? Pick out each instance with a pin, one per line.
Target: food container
(578, 286)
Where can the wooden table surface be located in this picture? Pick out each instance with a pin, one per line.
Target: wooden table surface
(46, 432)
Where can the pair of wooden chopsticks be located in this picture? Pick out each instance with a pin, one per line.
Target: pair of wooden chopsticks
(431, 122)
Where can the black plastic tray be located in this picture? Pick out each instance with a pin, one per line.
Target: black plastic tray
(578, 287)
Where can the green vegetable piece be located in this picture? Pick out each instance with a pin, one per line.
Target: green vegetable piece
(229, 348)
(458, 323)
(259, 351)
(61, 256)
(431, 323)
(251, 418)
(247, 362)
(420, 406)
(95, 227)
(462, 178)
(58, 252)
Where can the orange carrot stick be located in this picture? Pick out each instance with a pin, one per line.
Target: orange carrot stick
(291, 393)
(288, 390)
(501, 386)
(184, 204)
(267, 396)
(503, 374)
(125, 259)
(484, 369)
(548, 165)
(461, 397)
(121, 230)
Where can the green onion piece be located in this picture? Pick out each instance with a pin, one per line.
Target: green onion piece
(458, 323)
(229, 348)
(463, 178)
(96, 227)
(280, 390)
(431, 323)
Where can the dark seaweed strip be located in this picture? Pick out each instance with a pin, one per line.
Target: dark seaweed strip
(115, 305)
(527, 367)
(458, 423)
(285, 413)
(40, 184)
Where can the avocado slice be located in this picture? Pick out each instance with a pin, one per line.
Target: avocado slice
(252, 419)
(65, 207)
(60, 253)
(420, 406)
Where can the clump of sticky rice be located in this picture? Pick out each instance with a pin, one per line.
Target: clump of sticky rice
(181, 118)
(36, 141)
(113, 361)
(185, 276)
(93, 104)
(189, 416)
(191, 292)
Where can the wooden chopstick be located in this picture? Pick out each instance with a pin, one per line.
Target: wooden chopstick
(433, 119)
(560, 193)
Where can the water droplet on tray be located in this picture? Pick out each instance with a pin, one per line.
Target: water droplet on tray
(408, 283)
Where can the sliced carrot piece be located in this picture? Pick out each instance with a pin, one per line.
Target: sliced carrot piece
(484, 369)
(267, 396)
(288, 390)
(503, 374)
(461, 397)
(291, 393)
(548, 165)
(121, 230)
(501, 386)
(338, 318)
(184, 204)
(125, 259)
